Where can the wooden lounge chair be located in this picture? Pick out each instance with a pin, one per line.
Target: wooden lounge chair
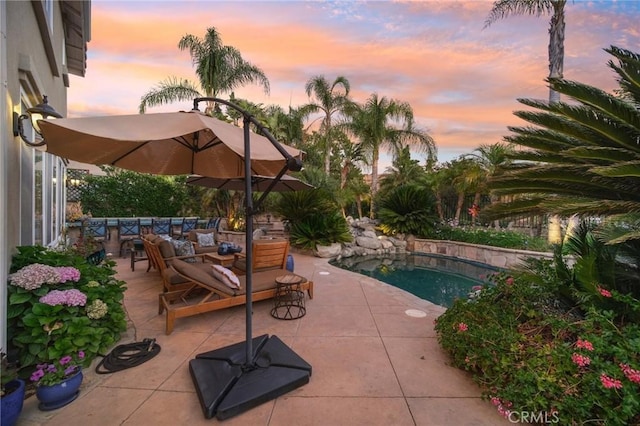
(267, 254)
(161, 253)
(209, 294)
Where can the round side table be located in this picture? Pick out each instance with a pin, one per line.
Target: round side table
(288, 302)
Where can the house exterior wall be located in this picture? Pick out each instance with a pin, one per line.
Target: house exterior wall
(32, 64)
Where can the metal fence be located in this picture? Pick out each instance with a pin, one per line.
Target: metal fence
(449, 204)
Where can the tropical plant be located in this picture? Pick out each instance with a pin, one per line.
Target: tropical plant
(582, 157)
(330, 99)
(491, 160)
(555, 8)
(504, 8)
(408, 209)
(374, 124)
(312, 217)
(219, 68)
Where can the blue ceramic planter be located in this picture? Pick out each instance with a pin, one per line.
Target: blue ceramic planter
(60, 394)
(12, 403)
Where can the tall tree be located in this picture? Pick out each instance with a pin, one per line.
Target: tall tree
(581, 157)
(219, 68)
(330, 98)
(491, 160)
(504, 8)
(383, 122)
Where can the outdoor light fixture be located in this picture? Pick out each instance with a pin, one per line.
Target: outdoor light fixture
(39, 112)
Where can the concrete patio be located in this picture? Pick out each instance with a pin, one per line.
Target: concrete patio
(372, 363)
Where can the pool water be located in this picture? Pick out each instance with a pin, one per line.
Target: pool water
(438, 279)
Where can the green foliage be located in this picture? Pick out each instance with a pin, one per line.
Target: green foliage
(530, 352)
(489, 237)
(407, 209)
(312, 218)
(42, 333)
(123, 193)
(320, 229)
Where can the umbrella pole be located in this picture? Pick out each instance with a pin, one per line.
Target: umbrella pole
(248, 241)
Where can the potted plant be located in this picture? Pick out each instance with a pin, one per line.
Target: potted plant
(58, 383)
(11, 394)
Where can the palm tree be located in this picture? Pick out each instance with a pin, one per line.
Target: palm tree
(375, 125)
(330, 99)
(581, 157)
(555, 8)
(219, 68)
(491, 159)
(504, 8)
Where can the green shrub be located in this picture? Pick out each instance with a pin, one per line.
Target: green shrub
(489, 237)
(408, 209)
(531, 353)
(65, 322)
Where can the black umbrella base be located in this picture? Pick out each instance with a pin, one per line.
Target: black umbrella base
(227, 386)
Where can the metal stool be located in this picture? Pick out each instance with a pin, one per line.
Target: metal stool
(288, 302)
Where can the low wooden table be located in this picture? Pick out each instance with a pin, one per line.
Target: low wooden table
(225, 260)
(288, 302)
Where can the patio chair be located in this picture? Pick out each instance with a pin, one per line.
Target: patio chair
(161, 226)
(214, 223)
(128, 231)
(187, 225)
(96, 229)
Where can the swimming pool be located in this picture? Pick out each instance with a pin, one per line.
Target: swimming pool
(438, 279)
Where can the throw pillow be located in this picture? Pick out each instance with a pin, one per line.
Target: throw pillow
(184, 248)
(226, 276)
(206, 240)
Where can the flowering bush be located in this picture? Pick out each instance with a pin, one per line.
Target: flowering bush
(60, 304)
(59, 370)
(532, 352)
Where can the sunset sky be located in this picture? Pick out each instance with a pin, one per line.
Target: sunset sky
(461, 80)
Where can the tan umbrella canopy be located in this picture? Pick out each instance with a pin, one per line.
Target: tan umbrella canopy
(185, 143)
(177, 143)
(258, 183)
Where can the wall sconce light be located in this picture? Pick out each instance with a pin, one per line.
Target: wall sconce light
(38, 112)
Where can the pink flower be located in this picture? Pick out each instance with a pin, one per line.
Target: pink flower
(584, 344)
(609, 382)
(71, 297)
(476, 288)
(580, 360)
(509, 281)
(463, 327)
(604, 292)
(630, 373)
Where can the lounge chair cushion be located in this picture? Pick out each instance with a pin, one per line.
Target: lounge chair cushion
(184, 248)
(206, 240)
(226, 276)
(166, 248)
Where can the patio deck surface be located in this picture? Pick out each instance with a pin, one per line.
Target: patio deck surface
(372, 363)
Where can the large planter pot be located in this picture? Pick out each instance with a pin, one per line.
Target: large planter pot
(11, 403)
(60, 394)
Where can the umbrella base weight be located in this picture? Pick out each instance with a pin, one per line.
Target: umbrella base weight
(227, 386)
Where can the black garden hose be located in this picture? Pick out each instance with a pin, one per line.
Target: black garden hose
(127, 356)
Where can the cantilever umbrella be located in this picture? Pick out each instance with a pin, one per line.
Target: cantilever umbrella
(186, 143)
(258, 183)
(176, 143)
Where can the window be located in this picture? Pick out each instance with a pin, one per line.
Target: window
(42, 201)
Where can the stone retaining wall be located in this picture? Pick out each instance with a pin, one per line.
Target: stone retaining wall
(494, 256)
